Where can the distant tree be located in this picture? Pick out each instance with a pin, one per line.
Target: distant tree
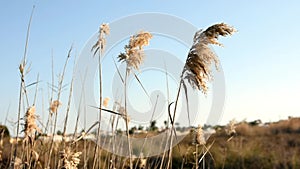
(153, 126)
(119, 131)
(131, 131)
(166, 124)
(255, 122)
(141, 127)
(59, 132)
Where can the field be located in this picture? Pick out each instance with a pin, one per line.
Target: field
(274, 145)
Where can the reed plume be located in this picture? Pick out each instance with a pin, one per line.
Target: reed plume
(105, 102)
(197, 68)
(30, 126)
(134, 53)
(100, 44)
(17, 163)
(70, 159)
(54, 106)
(199, 136)
(230, 127)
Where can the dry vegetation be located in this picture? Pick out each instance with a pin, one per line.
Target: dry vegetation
(274, 145)
(241, 145)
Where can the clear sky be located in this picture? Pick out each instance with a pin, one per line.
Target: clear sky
(260, 62)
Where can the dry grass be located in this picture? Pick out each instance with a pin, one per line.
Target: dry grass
(276, 145)
(245, 150)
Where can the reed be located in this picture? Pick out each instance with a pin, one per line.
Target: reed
(197, 70)
(134, 57)
(99, 47)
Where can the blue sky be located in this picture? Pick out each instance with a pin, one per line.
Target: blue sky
(260, 62)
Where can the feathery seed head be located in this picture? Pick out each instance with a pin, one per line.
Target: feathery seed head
(199, 136)
(101, 42)
(70, 159)
(54, 106)
(105, 102)
(197, 68)
(18, 164)
(230, 127)
(143, 163)
(104, 28)
(30, 125)
(134, 53)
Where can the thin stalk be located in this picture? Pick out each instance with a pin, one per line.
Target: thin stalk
(52, 93)
(98, 152)
(203, 163)
(146, 137)
(22, 78)
(126, 119)
(68, 107)
(172, 127)
(168, 97)
(36, 90)
(196, 156)
(112, 165)
(60, 85)
(85, 155)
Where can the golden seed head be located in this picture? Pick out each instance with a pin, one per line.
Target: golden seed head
(199, 136)
(21, 68)
(134, 53)
(104, 28)
(18, 163)
(54, 106)
(105, 102)
(143, 163)
(197, 68)
(230, 127)
(30, 125)
(101, 42)
(70, 159)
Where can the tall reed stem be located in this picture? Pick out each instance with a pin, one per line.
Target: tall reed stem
(126, 119)
(22, 85)
(60, 86)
